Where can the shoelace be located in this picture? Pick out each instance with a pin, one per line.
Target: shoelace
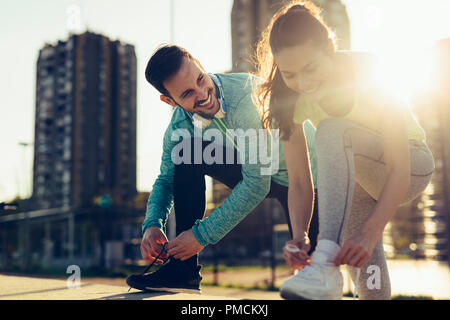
(358, 273)
(163, 249)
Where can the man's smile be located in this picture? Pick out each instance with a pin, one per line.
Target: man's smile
(208, 103)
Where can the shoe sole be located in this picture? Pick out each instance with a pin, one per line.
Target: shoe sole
(174, 290)
(163, 289)
(288, 295)
(291, 295)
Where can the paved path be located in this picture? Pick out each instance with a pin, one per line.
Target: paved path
(411, 278)
(31, 288)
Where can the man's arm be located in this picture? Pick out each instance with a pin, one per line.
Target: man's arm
(246, 195)
(161, 198)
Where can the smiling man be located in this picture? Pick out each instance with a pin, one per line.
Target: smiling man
(203, 101)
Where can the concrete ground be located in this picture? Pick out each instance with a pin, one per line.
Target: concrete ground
(408, 277)
(33, 288)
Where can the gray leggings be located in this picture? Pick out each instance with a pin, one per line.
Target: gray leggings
(351, 176)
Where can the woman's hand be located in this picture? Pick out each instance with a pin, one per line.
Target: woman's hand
(297, 260)
(357, 250)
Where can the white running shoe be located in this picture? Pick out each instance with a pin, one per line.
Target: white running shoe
(320, 280)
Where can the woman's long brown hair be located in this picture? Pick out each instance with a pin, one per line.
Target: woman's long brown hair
(292, 25)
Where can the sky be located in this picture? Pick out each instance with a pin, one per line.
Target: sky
(201, 26)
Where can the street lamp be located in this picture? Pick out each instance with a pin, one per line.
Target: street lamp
(24, 145)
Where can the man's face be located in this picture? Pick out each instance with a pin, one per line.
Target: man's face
(192, 89)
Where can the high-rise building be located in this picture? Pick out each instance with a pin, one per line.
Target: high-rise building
(85, 129)
(250, 17)
(84, 208)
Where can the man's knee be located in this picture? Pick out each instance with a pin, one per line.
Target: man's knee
(187, 175)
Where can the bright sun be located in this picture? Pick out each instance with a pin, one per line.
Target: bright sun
(405, 73)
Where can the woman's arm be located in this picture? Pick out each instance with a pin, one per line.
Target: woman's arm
(301, 191)
(398, 171)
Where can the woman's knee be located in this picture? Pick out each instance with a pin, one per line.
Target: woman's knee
(328, 127)
(331, 132)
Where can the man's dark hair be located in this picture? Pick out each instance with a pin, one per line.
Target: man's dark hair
(165, 63)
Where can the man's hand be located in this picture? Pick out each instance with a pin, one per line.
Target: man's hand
(151, 244)
(184, 246)
(297, 260)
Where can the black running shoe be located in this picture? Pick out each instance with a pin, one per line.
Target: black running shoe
(173, 276)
